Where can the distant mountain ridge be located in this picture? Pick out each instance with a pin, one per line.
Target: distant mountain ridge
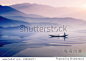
(48, 11)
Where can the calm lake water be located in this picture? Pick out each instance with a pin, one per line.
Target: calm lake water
(14, 44)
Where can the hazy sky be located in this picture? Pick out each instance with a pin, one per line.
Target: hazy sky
(54, 3)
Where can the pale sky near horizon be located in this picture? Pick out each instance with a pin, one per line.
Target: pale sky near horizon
(54, 3)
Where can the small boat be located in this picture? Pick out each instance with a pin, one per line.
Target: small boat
(59, 35)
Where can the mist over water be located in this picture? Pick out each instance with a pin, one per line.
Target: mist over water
(40, 44)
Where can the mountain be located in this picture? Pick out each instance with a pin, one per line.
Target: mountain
(67, 21)
(8, 22)
(79, 15)
(38, 9)
(49, 11)
(8, 11)
(60, 21)
(24, 18)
